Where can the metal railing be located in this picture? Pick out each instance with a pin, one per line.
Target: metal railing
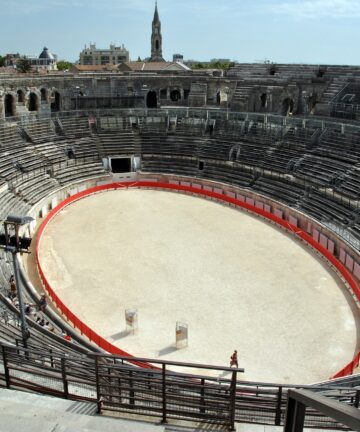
(115, 384)
(204, 113)
(299, 402)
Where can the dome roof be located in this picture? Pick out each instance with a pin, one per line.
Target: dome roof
(46, 54)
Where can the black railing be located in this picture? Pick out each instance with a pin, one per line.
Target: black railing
(300, 401)
(115, 384)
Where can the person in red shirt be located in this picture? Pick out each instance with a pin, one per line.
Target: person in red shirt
(67, 337)
(234, 360)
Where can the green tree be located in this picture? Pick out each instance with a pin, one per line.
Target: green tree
(2, 61)
(23, 65)
(64, 65)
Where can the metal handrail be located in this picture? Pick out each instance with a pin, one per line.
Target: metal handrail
(298, 400)
(205, 113)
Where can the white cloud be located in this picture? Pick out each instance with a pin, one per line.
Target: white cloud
(318, 8)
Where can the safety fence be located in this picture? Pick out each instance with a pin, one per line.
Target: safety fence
(211, 193)
(116, 385)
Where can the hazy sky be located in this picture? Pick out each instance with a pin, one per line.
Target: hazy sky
(294, 31)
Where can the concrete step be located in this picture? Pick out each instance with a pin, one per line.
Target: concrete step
(20, 411)
(30, 412)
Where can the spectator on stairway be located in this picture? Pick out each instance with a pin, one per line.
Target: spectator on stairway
(12, 291)
(42, 303)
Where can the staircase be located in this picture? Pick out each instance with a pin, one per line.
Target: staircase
(241, 95)
(333, 90)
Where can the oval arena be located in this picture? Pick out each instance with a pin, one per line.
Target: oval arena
(242, 226)
(236, 281)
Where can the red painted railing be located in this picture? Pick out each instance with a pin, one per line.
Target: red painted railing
(298, 232)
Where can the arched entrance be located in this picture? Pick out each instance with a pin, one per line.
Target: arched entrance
(287, 107)
(33, 102)
(20, 96)
(151, 99)
(43, 92)
(9, 105)
(55, 101)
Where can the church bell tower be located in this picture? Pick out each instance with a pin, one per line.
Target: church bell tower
(156, 38)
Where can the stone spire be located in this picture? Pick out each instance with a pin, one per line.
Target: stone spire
(156, 38)
(156, 19)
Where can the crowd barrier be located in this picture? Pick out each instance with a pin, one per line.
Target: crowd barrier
(216, 195)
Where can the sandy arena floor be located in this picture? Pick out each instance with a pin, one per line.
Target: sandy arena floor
(238, 282)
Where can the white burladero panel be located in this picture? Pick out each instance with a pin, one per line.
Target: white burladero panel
(218, 191)
(357, 270)
(259, 205)
(316, 235)
(54, 203)
(240, 197)
(43, 211)
(331, 247)
(185, 183)
(32, 226)
(267, 208)
(323, 240)
(196, 185)
(278, 213)
(208, 188)
(342, 256)
(293, 220)
(230, 194)
(250, 201)
(349, 263)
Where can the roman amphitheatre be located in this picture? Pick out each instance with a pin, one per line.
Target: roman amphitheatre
(226, 205)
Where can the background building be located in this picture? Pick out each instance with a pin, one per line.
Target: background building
(46, 60)
(178, 58)
(96, 56)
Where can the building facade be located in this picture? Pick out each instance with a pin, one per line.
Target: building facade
(45, 61)
(96, 56)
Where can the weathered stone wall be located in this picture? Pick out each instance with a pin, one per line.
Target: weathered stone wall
(137, 91)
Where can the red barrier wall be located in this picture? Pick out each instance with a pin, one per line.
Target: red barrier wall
(107, 346)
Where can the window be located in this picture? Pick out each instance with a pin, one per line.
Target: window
(175, 95)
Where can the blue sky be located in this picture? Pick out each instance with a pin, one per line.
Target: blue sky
(292, 31)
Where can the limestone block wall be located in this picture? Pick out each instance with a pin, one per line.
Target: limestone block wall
(288, 96)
